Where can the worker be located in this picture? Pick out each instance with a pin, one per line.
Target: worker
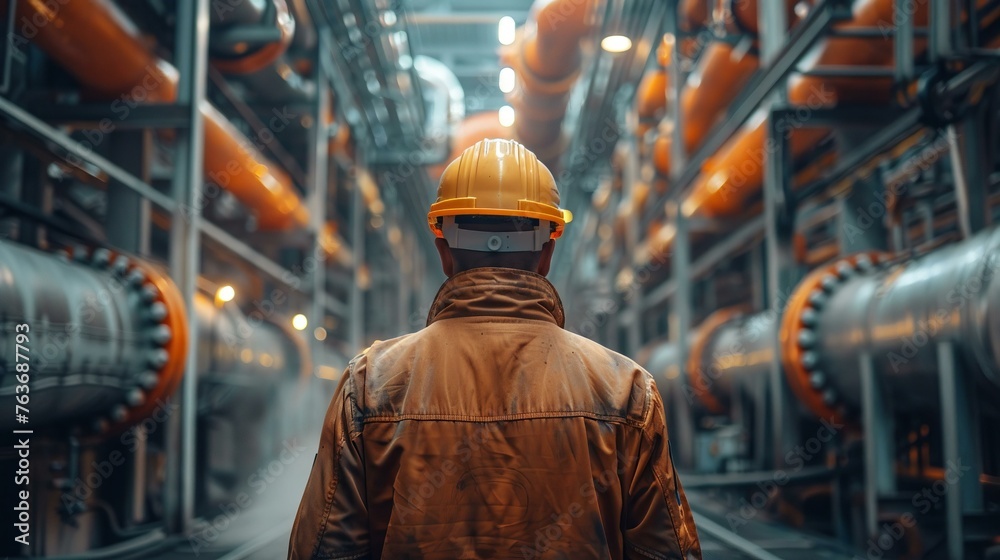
(493, 432)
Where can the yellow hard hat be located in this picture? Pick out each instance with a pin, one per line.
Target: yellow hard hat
(498, 178)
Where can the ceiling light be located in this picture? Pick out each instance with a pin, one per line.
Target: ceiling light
(299, 322)
(225, 293)
(507, 79)
(616, 43)
(506, 115)
(505, 30)
(320, 333)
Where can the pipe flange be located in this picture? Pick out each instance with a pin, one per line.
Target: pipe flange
(799, 354)
(164, 321)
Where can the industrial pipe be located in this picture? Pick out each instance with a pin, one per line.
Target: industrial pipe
(651, 97)
(721, 74)
(735, 174)
(106, 336)
(250, 35)
(84, 34)
(729, 349)
(897, 315)
(230, 344)
(546, 58)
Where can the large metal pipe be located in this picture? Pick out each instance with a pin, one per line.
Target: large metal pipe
(896, 315)
(231, 344)
(84, 35)
(547, 58)
(730, 350)
(105, 336)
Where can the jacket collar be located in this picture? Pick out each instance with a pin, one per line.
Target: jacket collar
(497, 292)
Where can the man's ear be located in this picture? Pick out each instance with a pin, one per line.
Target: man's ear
(447, 262)
(546, 260)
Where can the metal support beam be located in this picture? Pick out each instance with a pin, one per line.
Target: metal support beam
(675, 88)
(903, 41)
(127, 218)
(971, 165)
(358, 229)
(21, 119)
(319, 140)
(185, 247)
(939, 44)
(879, 444)
(630, 177)
(773, 26)
(782, 275)
(860, 227)
(680, 324)
(960, 434)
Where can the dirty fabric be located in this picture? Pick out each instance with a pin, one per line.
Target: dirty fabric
(494, 433)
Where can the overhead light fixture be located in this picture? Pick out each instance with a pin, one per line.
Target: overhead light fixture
(299, 322)
(225, 293)
(507, 79)
(505, 30)
(320, 333)
(616, 43)
(506, 115)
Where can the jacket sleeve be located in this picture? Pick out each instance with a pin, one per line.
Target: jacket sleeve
(657, 522)
(332, 520)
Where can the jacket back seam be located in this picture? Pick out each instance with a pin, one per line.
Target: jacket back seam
(388, 418)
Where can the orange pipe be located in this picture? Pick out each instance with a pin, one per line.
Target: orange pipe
(736, 173)
(741, 15)
(721, 74)
(546, 58)
(96, 43)
(692, 14)
(651, 97)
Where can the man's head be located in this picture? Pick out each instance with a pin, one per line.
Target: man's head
(497, 205)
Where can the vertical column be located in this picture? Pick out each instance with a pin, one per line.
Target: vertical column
(358, 246)
(773, 25)
(879, 445)
(675, 86)
(862, 217)
(191, 57)
(903, 44)
(939, 44)
(782, 274)
(319, 142)
(971, 165)
(680, 327)
(960, 434)
(630, 174)
(128, 213)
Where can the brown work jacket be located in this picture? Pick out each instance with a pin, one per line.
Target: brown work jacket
(494, 433)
